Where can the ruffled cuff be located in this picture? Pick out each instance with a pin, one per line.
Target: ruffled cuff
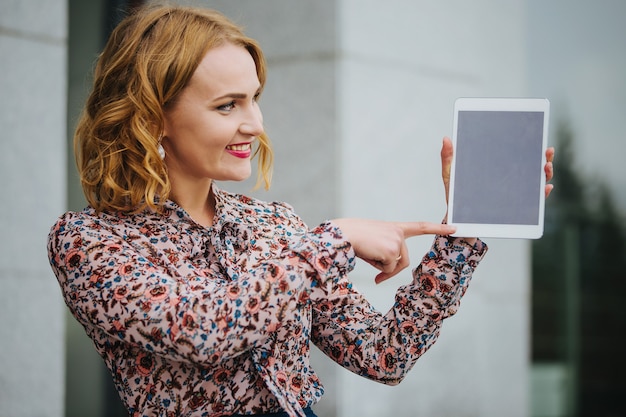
(459, 251)
(446, 270)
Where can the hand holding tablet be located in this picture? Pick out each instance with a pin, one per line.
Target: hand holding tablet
(497, 181)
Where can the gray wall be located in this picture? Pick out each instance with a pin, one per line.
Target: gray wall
(33, 47)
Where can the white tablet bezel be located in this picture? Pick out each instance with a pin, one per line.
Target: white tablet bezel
(534, 231)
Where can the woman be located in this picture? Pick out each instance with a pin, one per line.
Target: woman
(202, 302)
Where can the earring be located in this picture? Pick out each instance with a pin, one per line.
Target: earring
(160, 148)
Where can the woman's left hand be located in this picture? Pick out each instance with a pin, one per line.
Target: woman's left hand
(549, 169)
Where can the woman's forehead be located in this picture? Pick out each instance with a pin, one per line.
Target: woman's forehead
(226, 66)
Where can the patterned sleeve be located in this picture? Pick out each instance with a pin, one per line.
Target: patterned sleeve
(385, 347)
(111, 287)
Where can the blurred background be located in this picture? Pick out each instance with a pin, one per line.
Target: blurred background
(359, 93)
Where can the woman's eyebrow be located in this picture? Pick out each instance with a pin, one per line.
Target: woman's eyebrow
(236, 95)
(232, 95)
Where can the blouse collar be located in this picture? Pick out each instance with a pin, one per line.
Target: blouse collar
(227, 209)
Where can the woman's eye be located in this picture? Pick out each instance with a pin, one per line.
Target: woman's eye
(227, 107)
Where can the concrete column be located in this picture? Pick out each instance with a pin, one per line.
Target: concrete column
(33, 47)
(400, 68)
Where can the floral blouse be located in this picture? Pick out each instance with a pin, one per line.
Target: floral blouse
(196, 321)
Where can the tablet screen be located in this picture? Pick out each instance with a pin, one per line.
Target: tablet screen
(498, 174)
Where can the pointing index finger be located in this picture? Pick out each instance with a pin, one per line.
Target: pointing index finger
(411, 229)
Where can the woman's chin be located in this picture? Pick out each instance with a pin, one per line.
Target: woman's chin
(238, 177)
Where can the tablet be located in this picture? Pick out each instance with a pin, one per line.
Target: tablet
(497, 179)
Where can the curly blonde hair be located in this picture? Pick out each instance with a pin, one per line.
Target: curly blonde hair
(146, 63)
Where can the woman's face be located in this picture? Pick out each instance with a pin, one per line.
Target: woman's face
(209, 129)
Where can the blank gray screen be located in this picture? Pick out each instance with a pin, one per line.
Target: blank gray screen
(498, 167)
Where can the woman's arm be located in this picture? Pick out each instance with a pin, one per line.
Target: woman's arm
(112, 286)
(385, 347)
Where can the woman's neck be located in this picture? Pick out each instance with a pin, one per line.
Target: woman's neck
(197, 200)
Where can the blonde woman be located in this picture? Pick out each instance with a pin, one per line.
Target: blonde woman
(202, 302)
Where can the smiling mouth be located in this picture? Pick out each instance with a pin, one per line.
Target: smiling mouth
(240, 147)
(240, 150)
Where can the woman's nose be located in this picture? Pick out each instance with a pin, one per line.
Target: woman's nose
(253, 124)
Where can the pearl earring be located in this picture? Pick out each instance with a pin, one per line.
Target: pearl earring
(160, 148)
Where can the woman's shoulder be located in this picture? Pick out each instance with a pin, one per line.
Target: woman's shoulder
(86, 222)
(68, 231)
(74, 219)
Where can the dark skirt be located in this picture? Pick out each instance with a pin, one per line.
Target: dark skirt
(307, 411)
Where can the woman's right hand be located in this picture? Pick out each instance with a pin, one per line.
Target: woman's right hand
(382, 244)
